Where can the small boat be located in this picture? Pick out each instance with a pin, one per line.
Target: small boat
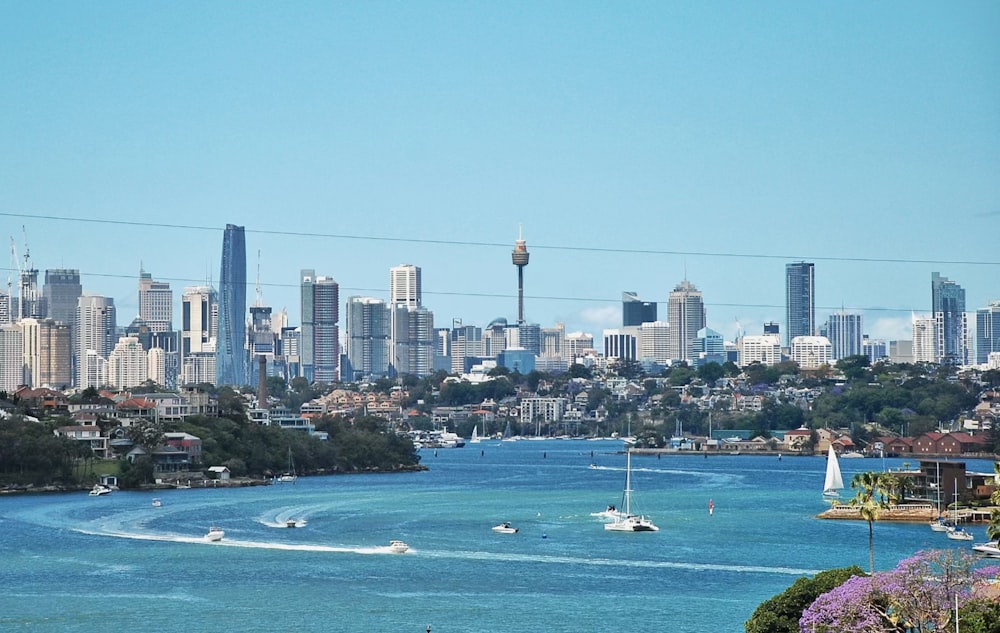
(611, 512)
(958, 534)
(214, 534)
(157, 503)
(629, 522)
(99, 490)
(505, 528)
(991, 549)
(941, 524)
(398, 547)
(291, 523)
(834, 481)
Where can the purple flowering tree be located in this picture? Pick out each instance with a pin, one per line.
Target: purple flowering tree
(917, 596)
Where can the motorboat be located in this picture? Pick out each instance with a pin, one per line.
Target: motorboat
(291, 523)
(991, 549)
(627, 521)
(215, 534)
(958, 534)
(610, 513)
(398, 547)
(99, 490)
(505, 528)
(157, 503)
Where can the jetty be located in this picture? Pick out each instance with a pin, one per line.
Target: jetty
(910, 513)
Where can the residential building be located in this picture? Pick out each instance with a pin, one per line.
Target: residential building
(199, 329)
(901, 351)
(811, 352)
(686, 315)
(47, 353)
(405, 286)
(987, 332)
(800, 300)
(635, 311)
(579, 344)
(925, 340)
(231, 366)
(466, 344)
(414, 342)
(96, 332)
(951, 326)
(874, 349)
(11, 357)
(128, 364)
(307, 291)
(367, 324)
(326, 330)
(846, 334)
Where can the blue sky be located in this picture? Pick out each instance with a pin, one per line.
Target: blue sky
(635, 144)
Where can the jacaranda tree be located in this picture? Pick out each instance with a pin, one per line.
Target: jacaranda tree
(918, 596)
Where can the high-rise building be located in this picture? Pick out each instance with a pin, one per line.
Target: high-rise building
(230, 347)
(925, 341)
(31, 303)
(874, 349)
(811, 352)
(759, 348)
(128, 364)
(47, 355)
(635, 311)
(262, 341)
(96, 332)
(11, 357)
(466, 343)
(948, 305)
(845, 334)
(621, 344)
(987, 332)
(199, 320)
(307, 290)
(62, 293)
(156, 303)
(6, 309)
(404, 286)
(326, 330)
(800, 300)
(686, 314)
(708, 347)
(654, 342)
(413, 346)
(368, 343)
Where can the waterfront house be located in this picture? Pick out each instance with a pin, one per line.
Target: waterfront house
(90, 435)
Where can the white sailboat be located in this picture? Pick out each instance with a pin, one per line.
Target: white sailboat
(290, 476)
(475, 435)
(834, 481)
(628, 522)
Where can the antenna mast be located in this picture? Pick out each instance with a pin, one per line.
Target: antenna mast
(259, 301)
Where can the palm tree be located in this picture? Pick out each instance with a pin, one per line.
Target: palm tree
(993, 530)
(871, 498)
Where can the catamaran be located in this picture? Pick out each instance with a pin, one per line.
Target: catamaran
(629, 522)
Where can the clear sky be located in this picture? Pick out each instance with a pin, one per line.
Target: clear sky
(634, 143)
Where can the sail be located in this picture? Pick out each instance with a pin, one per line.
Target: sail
(834, 481)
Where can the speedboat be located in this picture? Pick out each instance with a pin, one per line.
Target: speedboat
(157, 503)
(958, 534)
(214, 534)
(398, 547)
(99, 490)
(505, 528)
(991, 549)
(611, 512)
(291, 523)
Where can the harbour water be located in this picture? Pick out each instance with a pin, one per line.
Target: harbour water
(74, 563)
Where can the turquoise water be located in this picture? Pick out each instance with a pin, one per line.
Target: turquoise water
(88, 564)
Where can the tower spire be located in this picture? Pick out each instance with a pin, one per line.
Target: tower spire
(519, 257)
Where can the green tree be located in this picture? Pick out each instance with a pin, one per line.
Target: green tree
(871, 498)
(781, 613)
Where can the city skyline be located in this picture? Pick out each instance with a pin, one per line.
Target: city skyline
(632, 147)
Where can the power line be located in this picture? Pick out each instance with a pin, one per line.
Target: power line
(553, 247)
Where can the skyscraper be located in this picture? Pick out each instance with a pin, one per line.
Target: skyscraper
(635, 311)
(948, 305)
(686, 313)
(95, 324)
(987, 331)
(307, 331)
(231, 363)
(404, 286)
(845, 334)
(62, 291)
(156, 303)
(326, 330)
(367, 324)
(800, 300)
